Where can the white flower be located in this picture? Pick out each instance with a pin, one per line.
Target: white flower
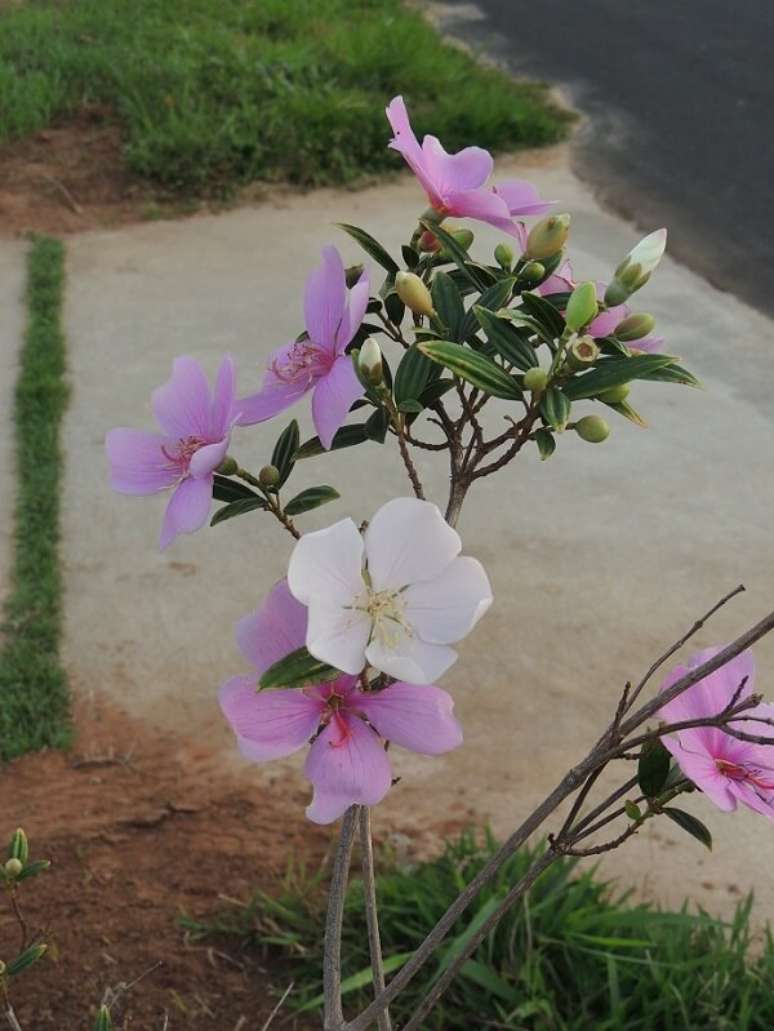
(395, 597)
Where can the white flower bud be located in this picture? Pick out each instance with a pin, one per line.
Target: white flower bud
(370, 362)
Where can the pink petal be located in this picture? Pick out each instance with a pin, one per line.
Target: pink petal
(187, 510)
(418, 718)
(347, 765)
(274, 630)
(325, 299)
(276, 394)
(649, 345)
(705, 775)
(222, 410)
(711, 695)
(333, 397)
(269, 724)
(452, 173)
(560, 282)
(405, 142)
(604, 324)
(522, 197)
(760, 800)
(137, 463)
(207, 459)
(355, 313)
(485, 206)
(182, 404)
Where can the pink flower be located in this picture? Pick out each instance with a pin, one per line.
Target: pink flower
(196, 432)
(317, 361)
(347, 762)
(726, 769)
(454, 183)
(605, 323)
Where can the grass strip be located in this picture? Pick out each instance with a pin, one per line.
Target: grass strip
(34, 698)
(212, 94)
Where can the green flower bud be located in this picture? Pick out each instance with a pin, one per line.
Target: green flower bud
(464, 238)
(548, 237)
(637, 267)
(504, 256)
(615, 394)
(269, 476)
(535, 380)
(414, 294)
(634, 327)
(592, 428)
(369, 362)
(227, 467)
(352, 274)
(533, 272)
(632, 810)
(19, 847)
(582, 306)
(583, 351)
(13, 867)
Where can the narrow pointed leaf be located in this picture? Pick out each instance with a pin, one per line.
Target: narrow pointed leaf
(613, 372)
(371, 246)
(505, 339)
(297, 670)
(283, 456)
(625, 409)
(545, 442)
(555, 408)
(26, 958)
(474, 368)
(225, 489)
(672, 374)
(459, 256)
(447, 302)
(544, 312)
(690, 825)
(653, 769)
(377, 424)
(238, 508)
(347, 436)
(311, 498)
(413, 374)
(493, 298)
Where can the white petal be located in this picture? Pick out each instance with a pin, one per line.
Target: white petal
(328, 564)
(445, 609)
(411, 659)
(338, 635)
(407, 541)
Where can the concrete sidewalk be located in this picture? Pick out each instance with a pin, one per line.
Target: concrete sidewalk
(599, 558)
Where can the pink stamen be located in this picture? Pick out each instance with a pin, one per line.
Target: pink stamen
(342, 728)
(186, 449)
(303, 359)
(745, 772)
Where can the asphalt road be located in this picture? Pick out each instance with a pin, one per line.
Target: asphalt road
(679, 95)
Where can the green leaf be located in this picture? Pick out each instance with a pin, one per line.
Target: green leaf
(298, 669)
(26, 959)
(493, 298)
(413, 374)
(360, 979)
(224, 489)
(544, 313)
(672, 374)
(612, 372)
(410, 407)
(555, 408)
(34, 868)
(410, 256)
(447, 302)
(311, 498)
(347, 436)
(395, 308)
(484, 975)
(103, 1021)
(474, 368)
(653, 769)
(460, 257)
(545, 442)
(690, 825)
(506, 340)
(625, 409)
(435, 390)
(371, 247)
(237, 508)
(377, 424)
(283, 457)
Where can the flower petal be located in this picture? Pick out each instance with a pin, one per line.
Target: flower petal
(182, 404)
(224, 394)
(487, 207)
(347, 765)
(327, 565)
(418, 718)
(207, 459)
(269, 724)
(648, 345)
(187, 510)
(405, 142)
(468, 169)
(137, 463)
(409, 658)
(604, 324)
(760, 800)
(408, 541)
(274, 630)
(522, 197)
(338, 635)
(354, 314)
(324, 300)
(711, 694)
(443, 610)
(704, 773)
(277, 393)
(333, 397)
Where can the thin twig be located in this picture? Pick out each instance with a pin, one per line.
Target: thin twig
(278, 1007)
(334, 1015)
(372, 918)
(19, 919)
(11, 1017)
(411, 469)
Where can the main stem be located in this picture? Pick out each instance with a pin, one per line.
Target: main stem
(333, 1013)
(372, 917)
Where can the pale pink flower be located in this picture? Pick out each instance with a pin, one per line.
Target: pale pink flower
(394, 597)
(727, 770)
(454, 183)
(196, 429)
(347, 727)
(317, 361)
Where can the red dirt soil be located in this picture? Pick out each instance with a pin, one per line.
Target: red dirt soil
(141, 827)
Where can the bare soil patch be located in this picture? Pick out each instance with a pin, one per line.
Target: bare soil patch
(142, 826)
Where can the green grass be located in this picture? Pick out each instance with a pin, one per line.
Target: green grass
(35, 706)
(214, 93)
(572, 957)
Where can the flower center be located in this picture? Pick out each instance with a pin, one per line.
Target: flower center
(762, 779)
(184, 452)
(387, 612)
(301, 361)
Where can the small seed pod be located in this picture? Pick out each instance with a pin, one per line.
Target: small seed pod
(535, 380)
(13, 867)
(269, 476)
(592, 429)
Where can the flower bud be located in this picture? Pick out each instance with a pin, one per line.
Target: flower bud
(269, 476)
(548, 237)
(227, 467)
(533, 272)
(414, 294)
(19, 847)
(464, 238)
(504, 256)
(615, 394)
(637, 267)
(352, 274)
(369, 362)
(535, 380)
(592, 428)
(13, 867)
(634, 327)
(583, 351)
(582, 306)
(428, 243)
(632, 810)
